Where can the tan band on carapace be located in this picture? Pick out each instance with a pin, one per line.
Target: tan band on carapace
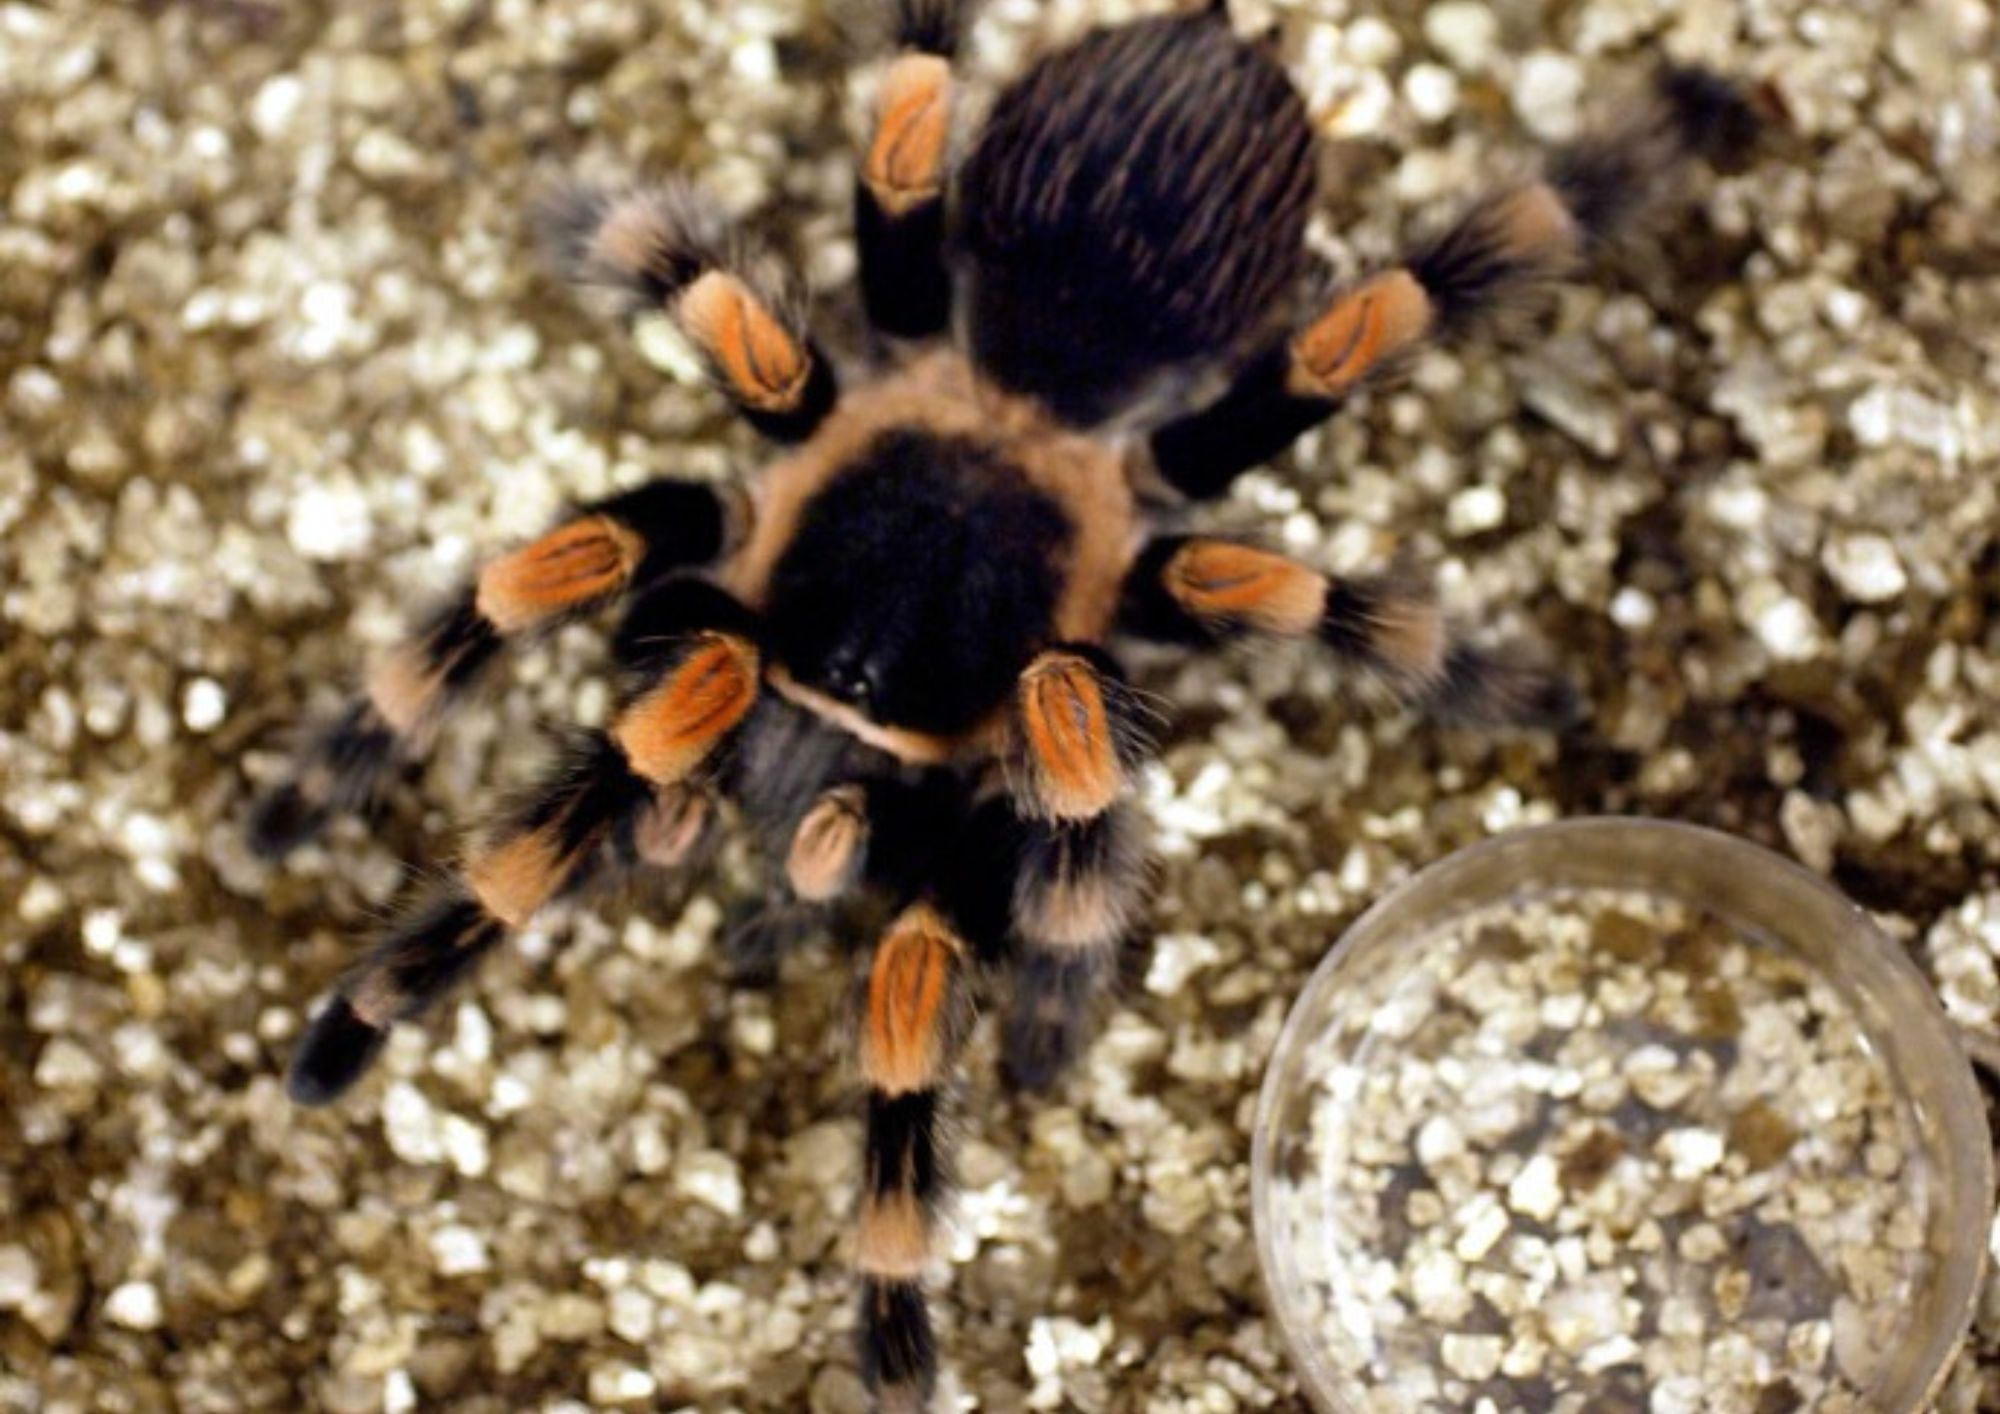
(671, 729)
(1376, 320)
(515, 877)
(1221, 582)
(909, 1002)
(915, 747)
(828, 844)
(904, 167)
(763, 363)
(894, 1237)
(570, 566)
(1072, 757)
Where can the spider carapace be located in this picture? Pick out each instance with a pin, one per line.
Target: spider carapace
(891, 657)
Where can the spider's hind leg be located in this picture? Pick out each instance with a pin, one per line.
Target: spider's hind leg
(1079, 867)
(1501, 253)
(899, 192)
(916, 1009)
(670, 249)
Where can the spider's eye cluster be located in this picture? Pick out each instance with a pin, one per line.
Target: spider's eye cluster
(919, 582)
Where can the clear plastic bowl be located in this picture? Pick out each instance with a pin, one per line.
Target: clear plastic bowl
(1352, 1018)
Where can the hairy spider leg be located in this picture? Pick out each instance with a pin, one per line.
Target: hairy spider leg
(1202, 591)
(1494, 260)
(606, 549)
(900, 200)
(669, 249)
(614, 797)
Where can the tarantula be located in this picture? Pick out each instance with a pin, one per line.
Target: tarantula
(889, 657)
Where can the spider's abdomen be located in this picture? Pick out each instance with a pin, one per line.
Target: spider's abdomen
(1136, 206)
(919, 582)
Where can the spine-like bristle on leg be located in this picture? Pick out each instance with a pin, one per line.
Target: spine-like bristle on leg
(932, 26)
(1393, 626)
(873, 27)
(1609, 179)
(648, 244)
(1499, 257)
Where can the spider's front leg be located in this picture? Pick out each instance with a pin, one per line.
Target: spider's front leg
(633, 793)
(1504, 250)
(607, 549)
(1202, 591)
(899, 193)
(915, 1011)
(1080, 865)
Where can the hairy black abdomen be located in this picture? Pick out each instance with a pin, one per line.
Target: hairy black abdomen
(919, 583)
(1136, 204)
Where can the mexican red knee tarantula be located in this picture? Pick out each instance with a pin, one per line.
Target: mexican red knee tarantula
(890, 657)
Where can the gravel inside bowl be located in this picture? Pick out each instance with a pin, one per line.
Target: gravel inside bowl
(1593, 1150)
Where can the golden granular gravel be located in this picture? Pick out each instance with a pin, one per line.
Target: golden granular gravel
(277, 362)
(1531, 1170)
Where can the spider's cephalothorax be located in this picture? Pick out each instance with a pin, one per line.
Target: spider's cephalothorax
(892, 657)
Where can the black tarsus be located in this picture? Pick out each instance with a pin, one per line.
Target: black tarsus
(355, 752)
(898, 1348)
(422, 958)
(336, 1050)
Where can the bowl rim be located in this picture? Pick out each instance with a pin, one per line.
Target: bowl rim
(1972, 1170)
